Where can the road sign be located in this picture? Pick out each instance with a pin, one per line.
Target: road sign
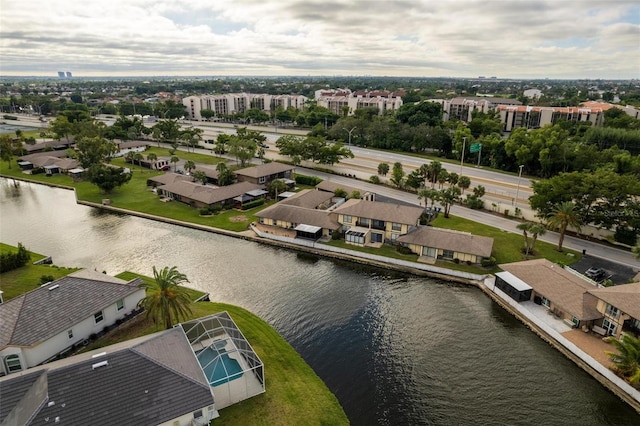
(475, 147)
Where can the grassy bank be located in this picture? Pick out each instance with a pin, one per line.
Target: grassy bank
(27, 278)
(294, 392)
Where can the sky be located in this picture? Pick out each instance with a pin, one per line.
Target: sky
(422, 38)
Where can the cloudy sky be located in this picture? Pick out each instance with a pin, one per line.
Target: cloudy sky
(458, 38)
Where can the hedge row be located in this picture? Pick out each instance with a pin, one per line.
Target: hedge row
(308, 180)
(11, 261)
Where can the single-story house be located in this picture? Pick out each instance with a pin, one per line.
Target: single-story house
(48, 146)
(367, 222)
(167, 178)
(210, 172)
(54, 318)
(151, 380)
(198, 195)
(310, 199)
(436, 243)
(308, 223)
(565, 294)
(157, 164)
(51, 164)
(332, 187)
(265, 173)
(620, 306)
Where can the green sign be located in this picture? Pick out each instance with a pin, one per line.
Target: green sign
(475, 147)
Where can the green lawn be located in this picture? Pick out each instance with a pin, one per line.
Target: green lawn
(385, 250)
(294, 392)
(184, 155)
(24, 279)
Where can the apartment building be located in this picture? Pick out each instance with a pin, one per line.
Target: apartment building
(234, 103)
(462, 108)
(338, 100)
(532, 117)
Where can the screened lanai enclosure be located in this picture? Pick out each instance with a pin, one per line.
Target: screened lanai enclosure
(232, 368)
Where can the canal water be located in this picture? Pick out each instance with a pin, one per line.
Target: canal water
(394, 348)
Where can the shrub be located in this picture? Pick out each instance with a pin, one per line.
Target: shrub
(205, 211)
(625, 235)
(11, 261)
(336, 235)
(474, 202)
(404, 250)
(46, 279)
(488, 262)
(308, 180)
(374, 179)
(215, 209)
(252, 204)
(456, 260)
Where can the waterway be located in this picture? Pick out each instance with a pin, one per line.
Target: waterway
(394, 348)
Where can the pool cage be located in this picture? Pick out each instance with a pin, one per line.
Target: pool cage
(233, 369)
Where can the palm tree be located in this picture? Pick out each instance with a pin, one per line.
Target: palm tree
(189, 166)
(138, 157)
(152, 158)
(536, 229)
(129, 157)
(174, 160)
(564, 215)
(627, 361)
(166, 301)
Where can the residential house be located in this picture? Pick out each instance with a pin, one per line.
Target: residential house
(198, 195)
(265, 173)
(565, 294)
(55, 163)
(167, 178)
(372, 222)
(152, 380)
(435, 243)
(54, 318)
(304, 213)
(332, 187)
(130, 146)
(620, 307)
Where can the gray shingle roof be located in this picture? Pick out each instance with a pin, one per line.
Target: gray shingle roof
(138, 386)
(11, 394)
(309, 199)
(461, 242)
(389, 212)
(42, 313)
(330, 186)
(300, 215)
(208, 194)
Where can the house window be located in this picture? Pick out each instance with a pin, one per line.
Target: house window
(394, 237)
(364, 221)
(575, 321)
(612, 311)
(70, 334)
(197, 414)
(13, 363)
(347, 219)
(396, 226)
(609, 326)
(546, 302)
(262, 179)
(98, 317)
(120, 305)
(447, 254)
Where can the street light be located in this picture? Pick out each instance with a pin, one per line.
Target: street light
(349, 131)
(464, 148)
(515, 200)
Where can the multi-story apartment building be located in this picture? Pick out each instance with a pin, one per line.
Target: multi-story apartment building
(339, 99)
(233, 103)
(532, 117)
(462, 108)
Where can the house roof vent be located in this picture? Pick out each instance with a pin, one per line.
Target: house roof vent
(53, 287)
(98, 355)
(99, 364)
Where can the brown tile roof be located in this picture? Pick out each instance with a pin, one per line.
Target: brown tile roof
(267, 169)
(461, 242)
(309, 199)
(561, 287)
(167, 178)
(389, 212)
(208, 194)
(300, 215)
(63, 163)
(330, 186)
(625, 297)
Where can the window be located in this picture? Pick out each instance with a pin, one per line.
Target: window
(612, 311)
(575, 321)
(13, 363)
(70, 334)
(394, 237)
(120, 305)
(98, 317)
(609, 326)
(546, 302)
(447, 254)
(197, 414)
(347, 219)
(396, 226)
(364, 221)
(262, 179)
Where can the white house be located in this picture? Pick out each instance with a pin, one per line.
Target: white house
(53, 319)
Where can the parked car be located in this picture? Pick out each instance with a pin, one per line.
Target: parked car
(596, 274)
(165, 168)
(263, 145)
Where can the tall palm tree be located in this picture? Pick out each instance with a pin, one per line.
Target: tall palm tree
(189, 166)
(174, 159)
(564, 215)
(627, 361)
(636, 251)
(166, 301)
(535, 229)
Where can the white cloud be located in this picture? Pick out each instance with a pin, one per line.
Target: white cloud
(507, 38)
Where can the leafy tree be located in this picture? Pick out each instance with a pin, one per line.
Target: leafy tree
(433, 172)
(244, 144)
(414, 179)
(627, 360)
(207, 114)
(94, 151)
(636, 250)
(166, 300)
(276, 186)
(6, 151)
(225, 175)
(536, 229)
(562, 216)
(138, 157)
(453, 178)
(130, 157)
(383, 169)
(333, 153)
(397, 175)
(199, 176)
(108, 178)
(448, 197)
(429, 194)
(191, 137)
(168, 130)
(355, 194)
(61, 127)
(341, 193)
(442, 177)
(221, 144)
(152, 157)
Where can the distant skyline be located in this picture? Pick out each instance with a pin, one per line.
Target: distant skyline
(592, 39)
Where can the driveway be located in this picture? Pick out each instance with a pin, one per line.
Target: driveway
(618, 273)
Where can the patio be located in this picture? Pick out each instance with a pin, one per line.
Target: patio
(592, 344)
(546, 316)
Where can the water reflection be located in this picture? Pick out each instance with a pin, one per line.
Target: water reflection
(395, 349)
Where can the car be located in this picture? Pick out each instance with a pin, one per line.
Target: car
(165, 168)
(596, 274)
(263, 145)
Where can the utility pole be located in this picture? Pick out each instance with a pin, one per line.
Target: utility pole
(349, 131)
(464, 148)
(515, 200)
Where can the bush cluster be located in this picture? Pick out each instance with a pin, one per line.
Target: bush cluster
(252, 204)
(308, 180)
(11, 261)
